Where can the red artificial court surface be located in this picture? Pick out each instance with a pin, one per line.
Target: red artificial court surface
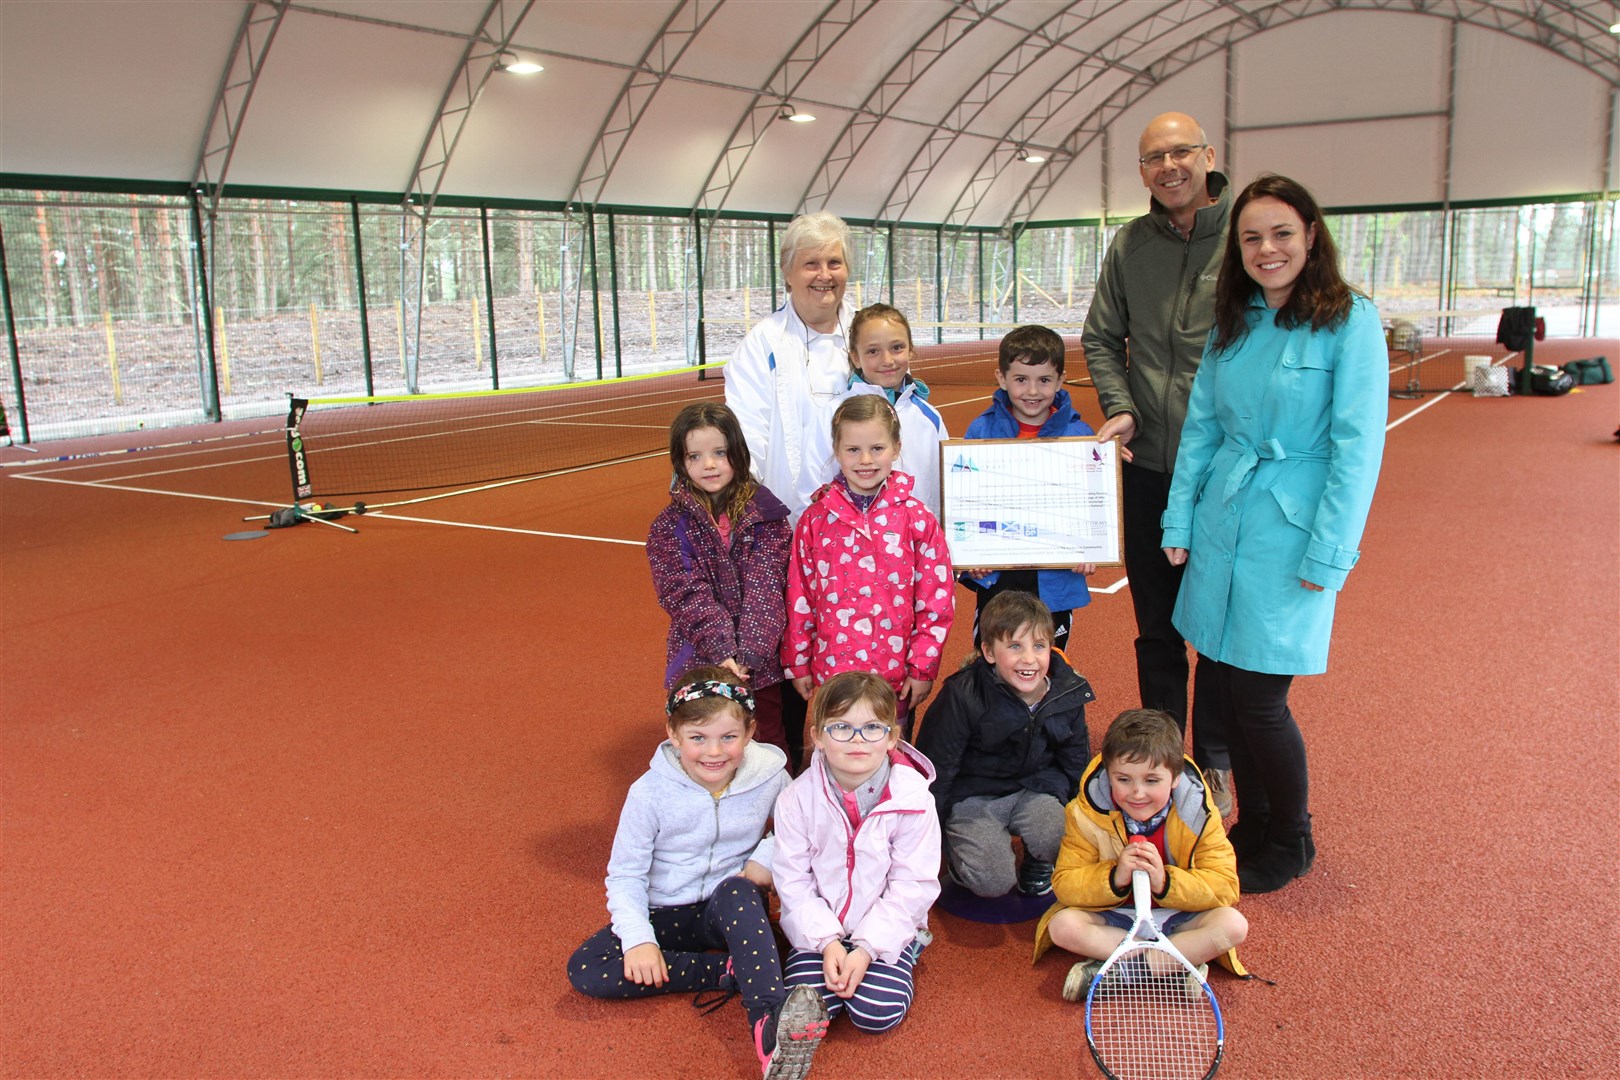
(331, 805)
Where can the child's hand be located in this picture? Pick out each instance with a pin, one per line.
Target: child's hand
(735, 666)
(802, 685)
(1086, 568)
(856, 961)
(644, 965)
(1177, 556)
(1140, 854)
(976, 573)
(844, 969)
(915, 691)
(756, 873)
(832, 967)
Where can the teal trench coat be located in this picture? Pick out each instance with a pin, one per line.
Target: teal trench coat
(1278, 461)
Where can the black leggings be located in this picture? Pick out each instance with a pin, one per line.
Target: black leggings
(733, 918)
(1268, 751)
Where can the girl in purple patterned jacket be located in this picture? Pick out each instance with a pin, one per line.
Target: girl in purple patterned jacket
(719, 555)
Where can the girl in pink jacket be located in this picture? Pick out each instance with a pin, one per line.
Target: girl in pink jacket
(857, 856)
(870, 586)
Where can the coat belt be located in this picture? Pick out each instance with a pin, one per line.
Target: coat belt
(1249, 460)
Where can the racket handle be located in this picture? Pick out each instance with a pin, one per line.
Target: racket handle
(1139, 893)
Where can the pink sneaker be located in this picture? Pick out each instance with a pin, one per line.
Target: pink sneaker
(787, 1037)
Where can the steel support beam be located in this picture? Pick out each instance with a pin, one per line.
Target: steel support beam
(935, 42)
(648, 76)
(1556, 26)
(818, 39)
(479, 58)
(261, 19)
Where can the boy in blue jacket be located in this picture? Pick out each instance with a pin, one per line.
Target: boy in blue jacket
(1031, 404)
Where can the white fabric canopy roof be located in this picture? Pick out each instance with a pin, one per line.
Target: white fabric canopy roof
(922, 106)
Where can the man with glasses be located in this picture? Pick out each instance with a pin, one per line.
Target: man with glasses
(1144, 335)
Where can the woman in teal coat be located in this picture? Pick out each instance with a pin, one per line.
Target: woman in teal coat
(1279, 457)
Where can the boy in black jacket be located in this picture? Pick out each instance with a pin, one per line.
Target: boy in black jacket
(1008, 738)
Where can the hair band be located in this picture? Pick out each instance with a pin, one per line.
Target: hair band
(696, 691)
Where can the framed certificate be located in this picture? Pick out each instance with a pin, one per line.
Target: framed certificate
(1021, 503)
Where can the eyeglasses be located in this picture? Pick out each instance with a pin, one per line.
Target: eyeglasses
(871, 731)
(1179, 155)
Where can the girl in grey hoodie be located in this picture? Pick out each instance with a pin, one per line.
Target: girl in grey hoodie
(684, 881)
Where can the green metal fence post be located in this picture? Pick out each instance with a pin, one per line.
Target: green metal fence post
(771, 258)
(11, 344)
(980, 273)
(489, 300)
(205, 300)
(360, 285)
(613, 288)
(702, 336)
(888, 261)
(596, 290)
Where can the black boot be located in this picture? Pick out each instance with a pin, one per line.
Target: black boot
(1248, 836)
(1035, 876)
(1280, 860)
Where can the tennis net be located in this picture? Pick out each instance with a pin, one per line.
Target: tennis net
(431, 442)
(347, 446)
(1430, 350)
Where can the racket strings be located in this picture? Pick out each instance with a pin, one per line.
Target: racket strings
(1146, 1025)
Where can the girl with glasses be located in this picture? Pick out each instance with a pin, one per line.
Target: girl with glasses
(857, 856)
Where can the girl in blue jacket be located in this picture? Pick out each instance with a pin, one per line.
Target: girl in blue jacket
(1279, 457)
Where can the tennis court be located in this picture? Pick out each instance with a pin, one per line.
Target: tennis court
(323, 804)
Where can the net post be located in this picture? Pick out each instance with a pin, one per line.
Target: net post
(297, 461)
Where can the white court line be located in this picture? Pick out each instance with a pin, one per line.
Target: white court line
(382, 513)
(144, 491)
(506, 529)
(1391, 426)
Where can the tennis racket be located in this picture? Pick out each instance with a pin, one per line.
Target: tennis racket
(1149, 1014)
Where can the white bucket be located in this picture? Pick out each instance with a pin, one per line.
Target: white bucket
(1472, 364)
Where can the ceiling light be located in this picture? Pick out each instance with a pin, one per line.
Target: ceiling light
(788, 112)
(1025, 155)
(1615, 29)
(512, 62)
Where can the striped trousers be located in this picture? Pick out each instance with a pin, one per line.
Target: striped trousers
(879, 1003)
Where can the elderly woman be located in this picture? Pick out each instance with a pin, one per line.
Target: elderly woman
(1279, 457)
(792, 369)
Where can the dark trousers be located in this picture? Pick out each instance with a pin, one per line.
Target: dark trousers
(1161, 652)
(1269, 769)
(794, 711)
(733, 918)
(768, 715)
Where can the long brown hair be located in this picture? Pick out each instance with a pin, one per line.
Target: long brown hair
(1320, 297)
(732, 499)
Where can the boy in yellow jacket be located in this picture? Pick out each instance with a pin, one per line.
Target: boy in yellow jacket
(1142, 806)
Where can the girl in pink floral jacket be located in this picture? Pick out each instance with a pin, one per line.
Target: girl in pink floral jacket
(870, 586)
